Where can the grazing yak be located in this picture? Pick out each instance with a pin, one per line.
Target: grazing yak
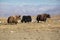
(42, 17)
(13, 19)
(26, 19)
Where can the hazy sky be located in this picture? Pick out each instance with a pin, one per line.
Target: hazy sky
(9, 7)
(31, 2)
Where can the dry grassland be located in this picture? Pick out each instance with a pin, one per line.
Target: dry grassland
(49, 30)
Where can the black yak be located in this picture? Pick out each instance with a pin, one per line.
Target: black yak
(26, 19)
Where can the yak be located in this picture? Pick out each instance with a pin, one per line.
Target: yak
(13, 19)
(26, 19)
(42, 17)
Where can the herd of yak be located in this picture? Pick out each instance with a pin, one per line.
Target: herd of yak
(28, 18)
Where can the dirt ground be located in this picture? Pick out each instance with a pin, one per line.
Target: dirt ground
(49, 30)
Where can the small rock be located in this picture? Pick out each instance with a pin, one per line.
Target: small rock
(11, 31)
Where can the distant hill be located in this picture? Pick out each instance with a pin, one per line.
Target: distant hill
(7, 10)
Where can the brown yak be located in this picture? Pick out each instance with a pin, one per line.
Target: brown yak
(42, 17)
(13, 19)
